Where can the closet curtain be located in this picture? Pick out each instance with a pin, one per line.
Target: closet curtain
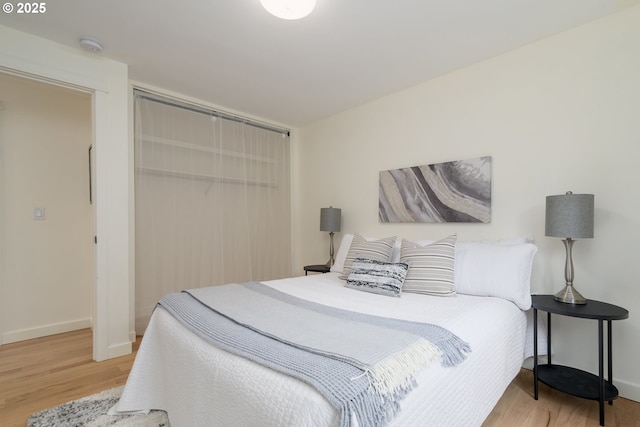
(212, 201)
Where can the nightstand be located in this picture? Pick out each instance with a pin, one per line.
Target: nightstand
(570, 380)
(320, 268)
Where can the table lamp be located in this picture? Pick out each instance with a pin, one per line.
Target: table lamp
(570, 216)
(330, 219)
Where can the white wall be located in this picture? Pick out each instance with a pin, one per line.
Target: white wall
(47, 274)
(106, 81)
(560, 114)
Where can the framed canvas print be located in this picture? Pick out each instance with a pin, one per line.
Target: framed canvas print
(458, 191)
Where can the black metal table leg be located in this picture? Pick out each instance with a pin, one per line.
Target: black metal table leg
(535, 353)
(601, 370)
(548, 338)
(609, 355)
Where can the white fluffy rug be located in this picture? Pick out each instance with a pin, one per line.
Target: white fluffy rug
(91, 411)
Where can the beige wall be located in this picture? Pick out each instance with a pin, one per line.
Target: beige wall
(560, 114)
(47, 272)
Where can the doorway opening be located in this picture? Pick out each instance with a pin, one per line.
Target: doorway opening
(46, 216)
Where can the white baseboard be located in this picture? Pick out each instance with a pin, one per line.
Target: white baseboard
(118, 350)
(45, 330)
(627, 390)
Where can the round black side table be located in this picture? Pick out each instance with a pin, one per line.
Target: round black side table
(570, 380)
(320, 268)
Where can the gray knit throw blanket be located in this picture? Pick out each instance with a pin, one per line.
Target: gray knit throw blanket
(362, 364)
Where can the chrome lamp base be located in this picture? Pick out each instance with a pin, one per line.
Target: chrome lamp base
(570, 295)
(331, 257)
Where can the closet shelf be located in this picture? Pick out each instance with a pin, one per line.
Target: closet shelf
(197, 147)
(203, 177)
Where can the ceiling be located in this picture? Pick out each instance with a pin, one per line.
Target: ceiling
(232, 53)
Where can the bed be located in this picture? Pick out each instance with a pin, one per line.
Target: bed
(198, 384)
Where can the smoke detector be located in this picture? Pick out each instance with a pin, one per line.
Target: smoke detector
(90, 45)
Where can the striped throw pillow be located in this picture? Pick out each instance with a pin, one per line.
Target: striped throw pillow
(431, 268)
(377, 250)
(378, 277)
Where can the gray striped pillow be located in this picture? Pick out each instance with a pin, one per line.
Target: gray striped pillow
(431, 268)
(377, 250)
(385, 278)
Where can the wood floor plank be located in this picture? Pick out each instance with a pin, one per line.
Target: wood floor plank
(45, 372)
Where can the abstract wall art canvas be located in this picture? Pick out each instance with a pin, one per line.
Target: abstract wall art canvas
(458, 191)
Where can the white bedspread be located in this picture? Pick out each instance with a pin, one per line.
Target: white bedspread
(200, 385)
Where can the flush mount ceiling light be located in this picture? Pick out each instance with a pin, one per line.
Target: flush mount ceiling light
(289, 9)
(91, 45)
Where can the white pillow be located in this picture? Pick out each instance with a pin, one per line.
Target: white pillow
(341, 255)
(495, 269)
(513, 241)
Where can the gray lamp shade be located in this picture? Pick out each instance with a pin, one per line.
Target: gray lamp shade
(569, 215)
(330, 219)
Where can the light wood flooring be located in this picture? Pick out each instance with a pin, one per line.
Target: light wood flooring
(45, 372)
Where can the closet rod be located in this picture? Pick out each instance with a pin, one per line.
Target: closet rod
(207, 111)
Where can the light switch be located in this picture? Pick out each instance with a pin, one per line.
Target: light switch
(38, 214)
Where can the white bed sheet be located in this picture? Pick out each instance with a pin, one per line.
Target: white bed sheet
(200, 385)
